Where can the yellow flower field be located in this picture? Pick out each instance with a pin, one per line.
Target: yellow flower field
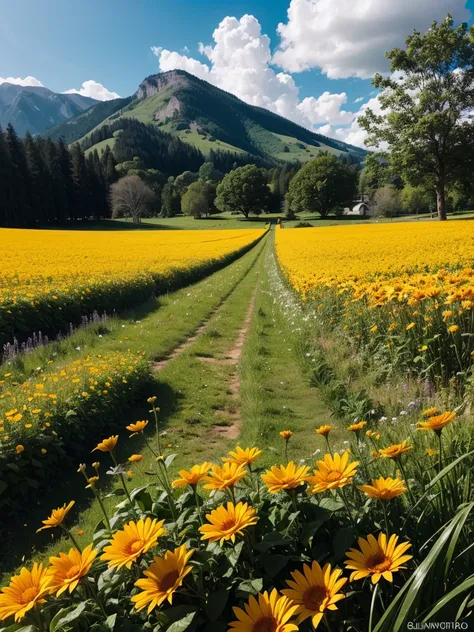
(408, 285)
(48, 276)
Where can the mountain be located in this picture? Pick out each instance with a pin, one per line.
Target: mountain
(35, 109)
(204, 116)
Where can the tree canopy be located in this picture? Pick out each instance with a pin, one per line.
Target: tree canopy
(244, 190)
(322, 185)
(425, 106)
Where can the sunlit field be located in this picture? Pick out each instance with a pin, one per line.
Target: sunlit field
(404, 290)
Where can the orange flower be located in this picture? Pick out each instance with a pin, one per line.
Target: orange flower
(395, 451)
(193, 476)
(57, 517)
(68, 569)
(135, 458)
(356, 427)
(437, 423)
(323, 430)
(136, 539)
(107, 445)
(332, 473)
(285, 477)
(286, 434)
(243, 457)
(137, 428)
(226, 476)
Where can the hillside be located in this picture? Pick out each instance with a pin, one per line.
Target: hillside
(208, 118)
(36, 109)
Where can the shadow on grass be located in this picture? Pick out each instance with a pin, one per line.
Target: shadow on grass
(19, 537)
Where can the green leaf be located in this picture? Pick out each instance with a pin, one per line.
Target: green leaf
(270, 540)
(467, 584)
(234, 554)
(3, 487)
(66, 616)
(110, 621)
(169, 459)
(70, 413)
(331, 504)
(216, 603)
(249, 587)
(342, 541)
(273, 563)
(182, 624)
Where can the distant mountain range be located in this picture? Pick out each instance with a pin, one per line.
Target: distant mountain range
(204, 116)
(35, 109)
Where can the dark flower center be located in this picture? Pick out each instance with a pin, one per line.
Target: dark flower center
(314, 597)
(265, 624)
(169, 580)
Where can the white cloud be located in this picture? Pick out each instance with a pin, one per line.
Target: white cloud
(239, 62)
(346, 38)
(27, 81)
(94, 90)
(354, 134)
(359, 100)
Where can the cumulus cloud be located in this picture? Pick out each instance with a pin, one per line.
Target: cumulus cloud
(27, 81)
(239, 62)
(94, 90)
(359, 100)
(348, 38)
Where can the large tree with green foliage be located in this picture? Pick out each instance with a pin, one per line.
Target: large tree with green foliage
(425, 107)
(244, 190)
(198, 199)
(323, 185)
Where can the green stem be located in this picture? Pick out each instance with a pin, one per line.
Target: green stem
(286, 451)
(99, 500)
(385, 516)
(71, 537)
(346, 504)
(198, 504)
(124, 485)
(155, 413)
(372, 608)
(410, 493)
(440, 444)
(328, 445)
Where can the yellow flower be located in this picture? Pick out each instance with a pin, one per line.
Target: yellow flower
(137, 428)
(135, 458)
(16, 417)
(152, 400)
(314, 591)
(25, 591)
(377, 558)
(356, 427)
(373, 329)
(67, 570)
(286, 434)
(431, 452)
(163, 578)
(396, 450)
(271, 613)
(384, 488)
(226, 523)
(332, 473)
(243, 457)
(410, 326)
(226, 476)
(454, 329)
(96, 465)
(438, 422)
(107, 445)
(285, 477)
(92, 481)
(57, 516)
(19, 448)
(44, 451)
(323, 430)
(136, 539)
(192, 476)
(430, 412)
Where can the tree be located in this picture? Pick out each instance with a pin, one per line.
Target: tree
(208, 173)
(424, 111)
(386, 202)
(375, 174)
(183, 181)
(197, 200)
(170, 202)
(322, 185)
(244, 190)
(415, 199)
(131, 197)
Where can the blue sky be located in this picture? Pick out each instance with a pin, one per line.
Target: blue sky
(331, 46)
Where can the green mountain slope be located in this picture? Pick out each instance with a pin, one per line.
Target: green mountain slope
(208, 118)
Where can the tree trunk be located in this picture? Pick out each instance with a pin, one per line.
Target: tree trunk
(441, 199)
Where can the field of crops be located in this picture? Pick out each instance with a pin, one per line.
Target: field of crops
(51, 278)
(405, 291)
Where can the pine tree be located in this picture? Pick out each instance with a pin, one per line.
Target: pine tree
(21, 180)
(6, 183)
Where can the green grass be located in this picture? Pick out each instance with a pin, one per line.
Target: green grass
(204, 144)
(100, 147)
(300, 151)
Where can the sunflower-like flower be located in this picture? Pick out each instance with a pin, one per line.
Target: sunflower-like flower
(323, 430)
(163, 578)
(193, 476)
(137, 428)
(332, 473)
(67, 570)
(286, 434)
(285, 477)
(384, 488)
(396, 450)
(357, 427)
(377, 558)
(430, 412)
(136, 539)
(57, 517)
(107, 445)
(271, 612)
(243, 457)
(314, 591)
(226, 476)
(227, 522)
(25, 591)
(438, 422)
